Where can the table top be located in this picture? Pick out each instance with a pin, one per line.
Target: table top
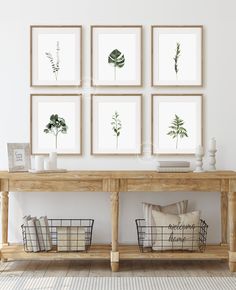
(113, 174)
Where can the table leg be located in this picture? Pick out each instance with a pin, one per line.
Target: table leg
(115, 221)
(224, 217)
(232, 228)
(5, 199)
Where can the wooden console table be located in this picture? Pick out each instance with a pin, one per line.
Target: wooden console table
(125, 181)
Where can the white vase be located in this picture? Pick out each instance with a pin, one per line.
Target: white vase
(53, 160)
(38, 163)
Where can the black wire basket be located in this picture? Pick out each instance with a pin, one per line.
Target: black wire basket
(60, 235)
(171, 238)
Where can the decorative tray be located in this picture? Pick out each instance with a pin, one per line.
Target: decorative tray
(47, 171)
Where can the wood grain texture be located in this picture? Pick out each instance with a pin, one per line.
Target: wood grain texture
(232, 185)
(232, 229)
(4, 205)
(55, 186)
(114, 220)
(232, 220)
(110, 184)
(126, 252)
(97, 252)
(214, 252)
(132, 174)
(175, 184)
(224, 217)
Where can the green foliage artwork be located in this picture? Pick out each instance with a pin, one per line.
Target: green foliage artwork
(176, 59)
(177, 130)
(56, 126)
(116, 127)
(117, 59)
(55, 63)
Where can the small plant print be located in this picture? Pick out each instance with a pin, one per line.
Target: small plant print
(116, 127)
(55, 64)
(176, 58)
(56, 126)
(177, 130)
(117, 59)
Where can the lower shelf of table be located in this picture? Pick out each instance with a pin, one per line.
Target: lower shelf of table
(127, 252)
(215, 252)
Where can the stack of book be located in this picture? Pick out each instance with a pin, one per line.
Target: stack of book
(173, 166)
(37, 234)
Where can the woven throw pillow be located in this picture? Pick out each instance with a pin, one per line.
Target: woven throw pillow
(176, 232)
(173, 208)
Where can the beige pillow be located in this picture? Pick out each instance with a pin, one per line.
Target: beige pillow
(179, 232)
(173, 208)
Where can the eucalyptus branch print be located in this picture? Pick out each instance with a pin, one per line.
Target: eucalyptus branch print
(177, 130)
(116, 127)
(55, 64)
(56, 126)
(176, 58)
(117, 59)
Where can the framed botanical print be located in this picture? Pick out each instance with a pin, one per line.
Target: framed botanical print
(116, 124)
(177, 55)
(56, 56)
(56, 123)
(116, 55)
(176, 123)
(18, 157)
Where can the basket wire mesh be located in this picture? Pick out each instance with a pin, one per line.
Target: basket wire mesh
(171, 238)
(61, 235)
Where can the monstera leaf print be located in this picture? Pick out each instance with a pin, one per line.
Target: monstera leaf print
(117, 59)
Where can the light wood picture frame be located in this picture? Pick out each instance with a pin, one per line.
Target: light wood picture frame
(116, 124)
(18, 157)
(55, 55)
(116, 55)
(177, 123)
(56, 124)
(177, 55)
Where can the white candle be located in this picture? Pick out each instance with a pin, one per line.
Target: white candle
(212, 144)
(53, 160)
(47, 165)
(38, 163)
(199, 150)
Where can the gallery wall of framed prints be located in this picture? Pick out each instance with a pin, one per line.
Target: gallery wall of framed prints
(116, 61)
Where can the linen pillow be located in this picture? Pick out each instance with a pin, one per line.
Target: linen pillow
(179, 232)
(173, 208)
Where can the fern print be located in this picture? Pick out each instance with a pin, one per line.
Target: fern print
(177, 130)
(55, 63)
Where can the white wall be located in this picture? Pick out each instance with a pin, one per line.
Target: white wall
(218, 18)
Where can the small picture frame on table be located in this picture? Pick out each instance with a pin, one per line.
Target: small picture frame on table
(18, 157)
